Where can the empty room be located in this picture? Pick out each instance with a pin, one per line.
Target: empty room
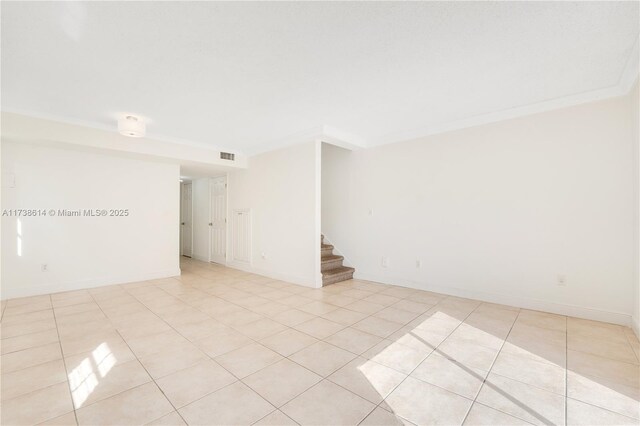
(320, 213)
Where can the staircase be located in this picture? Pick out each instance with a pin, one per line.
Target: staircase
(333, 271)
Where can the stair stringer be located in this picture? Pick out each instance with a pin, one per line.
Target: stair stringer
(345, 261)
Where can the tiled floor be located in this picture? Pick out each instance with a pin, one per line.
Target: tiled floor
(220, 346)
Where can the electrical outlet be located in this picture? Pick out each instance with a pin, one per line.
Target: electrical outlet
(418, 263)
(385, 262)
(370, 212)
(44, 267)
(263, 255)
(562, 280)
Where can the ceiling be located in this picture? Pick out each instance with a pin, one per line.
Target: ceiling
(247, 76)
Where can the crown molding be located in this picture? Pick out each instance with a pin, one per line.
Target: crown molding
(108, 128)
(324, 133)
(20, 128)
(343, 139)
(630, 73)
(503, 115)
(627, 79)
(332, 135)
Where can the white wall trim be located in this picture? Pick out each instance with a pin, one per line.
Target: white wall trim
(233, 239)
(324, 133)
(23, 128)
(329, 134)
(114, 128)
(318, 214)
(345, 139)
(303, 281)
(506, 114)
(308, 135)
(632, 68)
(626, 82)
(341, 138)
(200, 257)
(180, 229)
(635, 326)
(13, 292)
(226, 218)
(520, 302)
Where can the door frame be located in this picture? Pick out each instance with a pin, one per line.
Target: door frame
(226, 224)
(182, 233)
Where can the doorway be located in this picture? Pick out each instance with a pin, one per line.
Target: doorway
(186, 219)
(218, 220)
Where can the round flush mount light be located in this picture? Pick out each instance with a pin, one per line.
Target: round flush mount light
(131, 126)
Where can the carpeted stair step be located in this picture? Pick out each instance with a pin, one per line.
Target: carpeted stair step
(337, 275)
(326, 250)
(333, 271)
(331, 261)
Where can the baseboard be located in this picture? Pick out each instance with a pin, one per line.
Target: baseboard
(203, 258)
(635, 326)
(246, 267)
(520, 302)
(14, 292)
(200, 257)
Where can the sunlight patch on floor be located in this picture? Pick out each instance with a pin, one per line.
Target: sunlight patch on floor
(83, 379)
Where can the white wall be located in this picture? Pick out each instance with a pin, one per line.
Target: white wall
(634, 100)
(19, 127)
(497, 212)
(86, 251)
(201, 215)
(336, 197)
(281, 188)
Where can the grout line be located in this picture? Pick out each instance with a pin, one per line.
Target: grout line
(504, 341)
(31, 347)
(259, 342)
(232, 327)
(238, 379)
(484, 379)
(434, 350)
(529, 384)
(386, 338)
(138, 360)
(278, 410)
(629, 337)
(449, 335)
(64, 363)
(30, 312)
(384, 287)
(633, 420)
(500, 411)
(152, 380)
(355, 355)
(179, 333)
(235, 279)
(323, 340)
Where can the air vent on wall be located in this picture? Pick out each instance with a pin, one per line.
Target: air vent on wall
(227, 156)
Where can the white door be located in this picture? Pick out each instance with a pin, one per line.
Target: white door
(218, 222)
(241, 238)
(186, 228)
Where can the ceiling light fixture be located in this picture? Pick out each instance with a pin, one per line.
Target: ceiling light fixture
(131, 126)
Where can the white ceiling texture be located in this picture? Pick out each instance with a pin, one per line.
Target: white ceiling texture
(249, 76)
